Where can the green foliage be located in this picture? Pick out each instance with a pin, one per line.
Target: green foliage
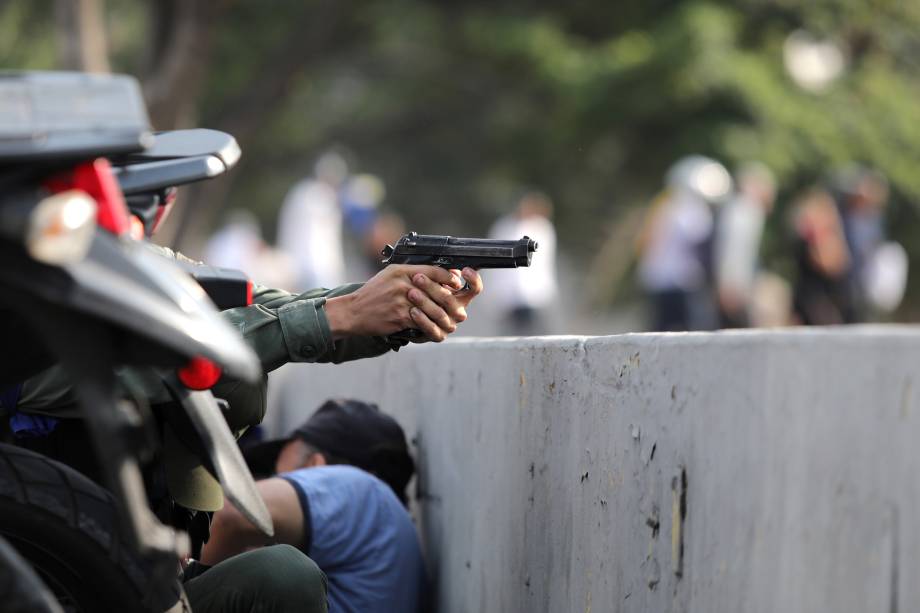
(25, 35)
(459, 105)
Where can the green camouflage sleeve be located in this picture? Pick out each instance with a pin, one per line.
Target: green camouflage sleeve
(282, 327)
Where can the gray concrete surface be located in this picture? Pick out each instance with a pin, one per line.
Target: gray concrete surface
(747, 471)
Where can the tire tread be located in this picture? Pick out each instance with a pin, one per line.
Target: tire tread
(45, 487)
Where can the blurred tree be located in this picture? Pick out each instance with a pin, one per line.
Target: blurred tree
(460, 104)
(81, 35)
(176, 58)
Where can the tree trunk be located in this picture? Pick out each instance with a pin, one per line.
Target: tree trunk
(81, 35)
(179, 49)
(244, 116)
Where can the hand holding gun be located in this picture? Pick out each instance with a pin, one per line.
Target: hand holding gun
(457, 253)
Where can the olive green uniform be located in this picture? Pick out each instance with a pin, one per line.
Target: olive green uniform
(277, 579)
(280, 327)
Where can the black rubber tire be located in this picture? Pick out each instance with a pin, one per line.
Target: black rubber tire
(21, 591)
(66, 527)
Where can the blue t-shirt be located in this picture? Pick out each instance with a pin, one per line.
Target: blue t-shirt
(362, 537)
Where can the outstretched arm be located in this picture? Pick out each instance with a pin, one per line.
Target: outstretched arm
(354, 321)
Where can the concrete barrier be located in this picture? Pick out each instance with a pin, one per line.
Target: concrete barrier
(748, 471)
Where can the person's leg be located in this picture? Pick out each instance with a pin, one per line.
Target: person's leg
(268, 580)
(701, 310)
(521, 321)
(670, 311)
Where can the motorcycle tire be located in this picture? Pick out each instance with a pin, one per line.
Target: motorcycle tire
(66, 527)
(21, 591)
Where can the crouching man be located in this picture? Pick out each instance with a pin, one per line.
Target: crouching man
(339, 496)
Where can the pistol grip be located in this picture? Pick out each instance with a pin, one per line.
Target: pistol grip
(409, 334)
(412, 334)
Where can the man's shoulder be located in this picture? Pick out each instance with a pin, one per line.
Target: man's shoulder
(339, 477)
(346, 471)
(346, 497)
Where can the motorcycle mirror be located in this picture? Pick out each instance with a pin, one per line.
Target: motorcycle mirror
(176, 144)
(138, 178)
(57, 116)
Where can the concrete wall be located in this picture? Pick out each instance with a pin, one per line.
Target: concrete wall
(749, 471)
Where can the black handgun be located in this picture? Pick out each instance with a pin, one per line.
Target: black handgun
(450, 252)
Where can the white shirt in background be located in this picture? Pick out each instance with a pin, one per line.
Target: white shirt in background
(310, 232)
(737, 245)
(671, 259)
(535, 286)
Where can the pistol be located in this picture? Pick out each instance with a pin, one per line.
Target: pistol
(450, 252)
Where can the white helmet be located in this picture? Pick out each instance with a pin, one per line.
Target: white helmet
(702, 176)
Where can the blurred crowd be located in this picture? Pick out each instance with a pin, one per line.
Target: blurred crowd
(331, 229)
(699, 250)
(333, 225)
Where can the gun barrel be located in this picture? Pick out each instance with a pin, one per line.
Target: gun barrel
(453, 252)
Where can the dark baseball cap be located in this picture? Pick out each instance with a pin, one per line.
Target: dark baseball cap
(351, 432)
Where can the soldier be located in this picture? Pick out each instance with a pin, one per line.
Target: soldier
(346, 323)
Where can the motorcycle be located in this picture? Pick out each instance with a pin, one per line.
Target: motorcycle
(80, 293)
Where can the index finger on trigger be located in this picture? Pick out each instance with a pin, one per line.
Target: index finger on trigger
(473, 280)
(441, 275)
(459, 282)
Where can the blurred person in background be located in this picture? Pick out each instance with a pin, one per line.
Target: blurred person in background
(338, 494)
(525, 295)
(361, 197)
(878, 269)
(676, 242)
(738, 234)
(771, 301)
(239, 245)
(369, 228)
(310, 226)
(388, 227)
(821, 294)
